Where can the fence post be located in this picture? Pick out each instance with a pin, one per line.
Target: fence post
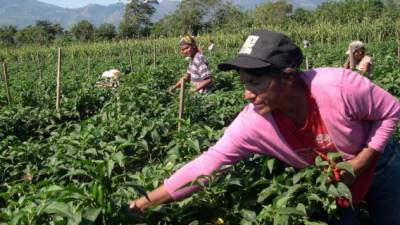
(181, 103)
(307, 67)
(73, 61)
(88, 72)
(351, 58)
(398, 53)
(130, 59)
(58, 80)
(154, 54)
(6, 83)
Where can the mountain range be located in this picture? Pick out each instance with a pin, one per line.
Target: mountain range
(22, 13)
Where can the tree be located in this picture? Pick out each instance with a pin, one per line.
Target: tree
(51, 30)
(136, 21)
(43, 32)
(194, 14)
(349, 11)
(163, 27)
(106, 31)
(301, 16)
(272, 13)
(83, 31)
(32, 35)
(7, 35)
(229, 17)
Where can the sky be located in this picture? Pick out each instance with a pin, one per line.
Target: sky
(81, 3)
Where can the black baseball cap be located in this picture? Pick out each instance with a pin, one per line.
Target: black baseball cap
(263, 49)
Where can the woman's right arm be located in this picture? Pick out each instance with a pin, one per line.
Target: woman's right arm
(185, 77)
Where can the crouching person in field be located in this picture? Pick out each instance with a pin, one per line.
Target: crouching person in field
(358, 59)
(296, 116)
(112, 78)
(198, 72)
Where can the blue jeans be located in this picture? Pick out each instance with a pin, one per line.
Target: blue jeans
(383, 197)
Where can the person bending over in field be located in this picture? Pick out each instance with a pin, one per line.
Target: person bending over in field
(211, 46)
(358, 59)
(198, 72)
(295, 116)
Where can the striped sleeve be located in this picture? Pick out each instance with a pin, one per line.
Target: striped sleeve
(202, 67)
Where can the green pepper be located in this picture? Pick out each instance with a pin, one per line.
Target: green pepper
(100, 191)
(95, 192)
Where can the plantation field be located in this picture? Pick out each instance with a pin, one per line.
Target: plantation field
(104, 147)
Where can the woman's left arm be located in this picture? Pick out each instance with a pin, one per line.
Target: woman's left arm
(361, 163)
(367, 102)
(365, 69)
(203, 84)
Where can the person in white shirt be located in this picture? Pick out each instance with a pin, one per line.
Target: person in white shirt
(357, 58)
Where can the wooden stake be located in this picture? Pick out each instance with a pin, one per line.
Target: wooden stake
(398, 53)
(58, 81)
(307, 67)
(181, 103)
(351, 58)
(154, 54)
(73, 62)
(6, 83)
(130, 59)
(88, 66)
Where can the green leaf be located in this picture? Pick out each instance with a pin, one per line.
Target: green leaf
(195, 145)
(110, 166)
(91, 214)
(124, 145)
(118, 158)
(333, 191)
(343, 190)
(302, 208)
(155, 136)
(346, 166)
(332, 156)
(281, 219)
(144, 144)
(194, 222)
(76, 172)
(306, 222)
(248, 215)
(314, 197)
(61, 209)
(54, 188)
(297, 177)
(320, 163)
(91, 151)
(281, 203)
(290, 211)
(270, 164)
(266, 193)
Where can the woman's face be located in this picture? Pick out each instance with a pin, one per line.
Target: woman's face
(358, 54)
(265, 92)
(187, 50)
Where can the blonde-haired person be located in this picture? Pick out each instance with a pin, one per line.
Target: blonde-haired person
(358, 59)
(198, 72)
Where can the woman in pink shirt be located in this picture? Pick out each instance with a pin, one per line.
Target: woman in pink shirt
(295, 116)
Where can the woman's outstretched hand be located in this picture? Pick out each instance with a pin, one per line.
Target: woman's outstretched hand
(157, 196)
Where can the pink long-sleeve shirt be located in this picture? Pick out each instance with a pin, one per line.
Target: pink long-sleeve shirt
(355, 111)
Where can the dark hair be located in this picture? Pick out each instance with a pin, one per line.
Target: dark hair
(272, 71)
(279, 74)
